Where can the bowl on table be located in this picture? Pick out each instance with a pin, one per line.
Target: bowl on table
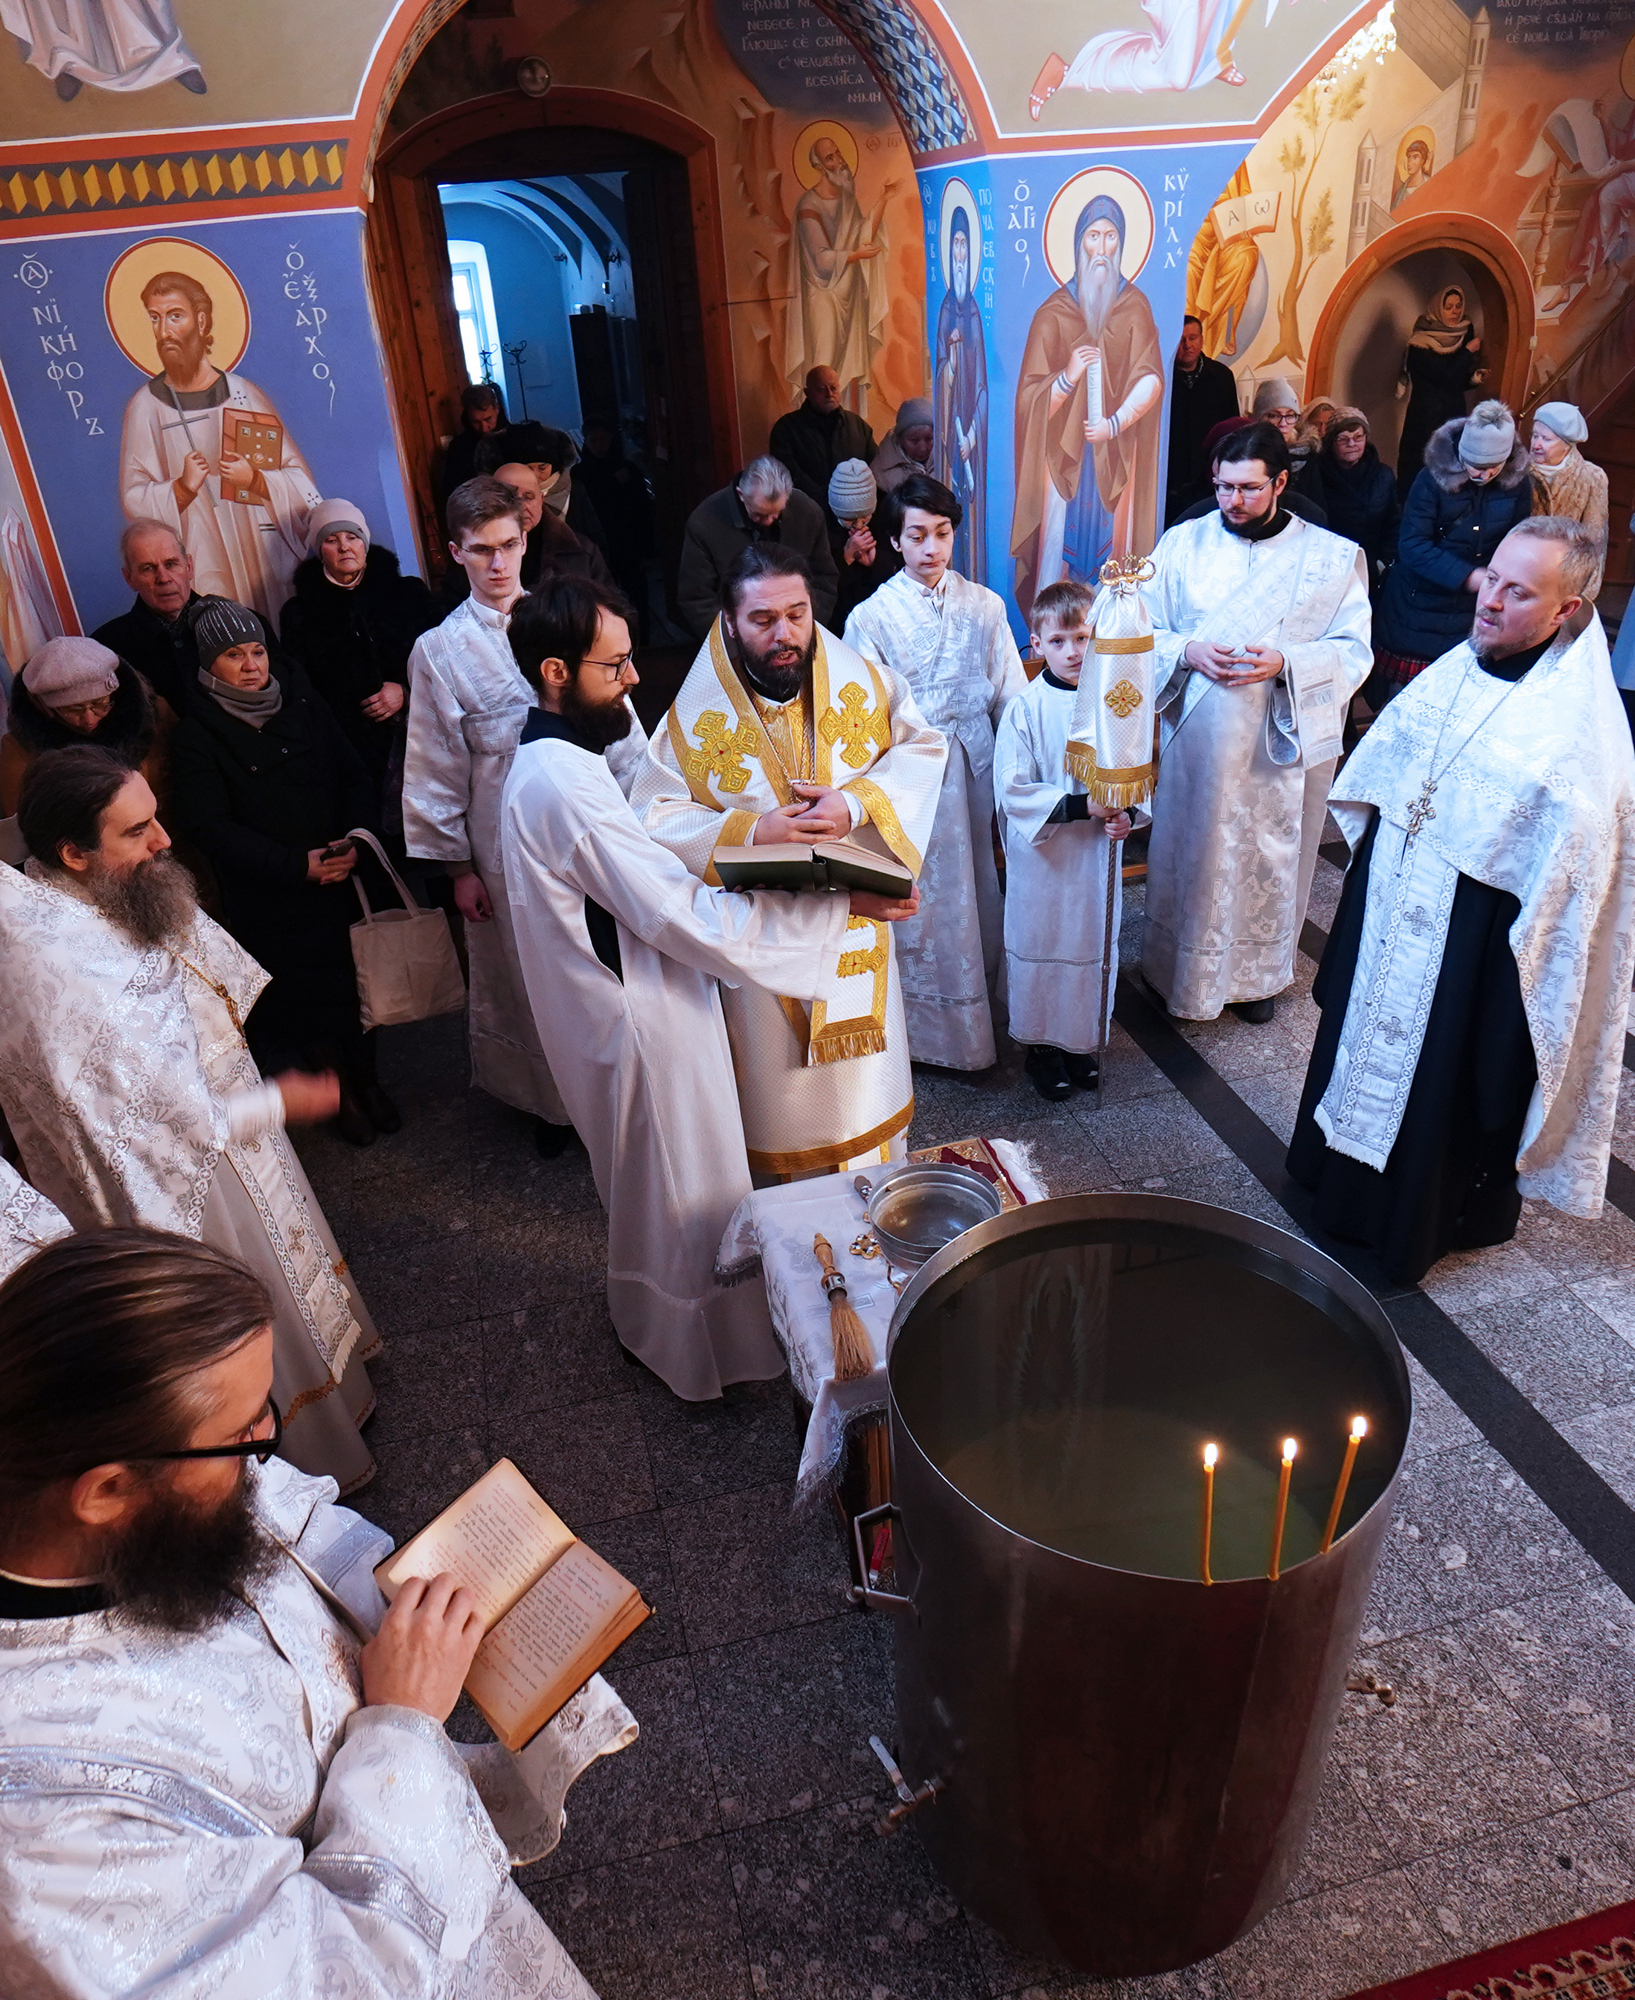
(916, 1208)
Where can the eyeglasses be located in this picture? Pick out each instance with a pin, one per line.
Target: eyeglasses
(260, 1449)
(86, 711)
(614, 669)
(1248, 492)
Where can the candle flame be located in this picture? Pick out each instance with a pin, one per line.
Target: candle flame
(1212, 1453)
(1359, 1429)
(1290, 1447)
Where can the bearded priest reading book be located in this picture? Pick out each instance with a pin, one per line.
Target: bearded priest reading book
(782, 733)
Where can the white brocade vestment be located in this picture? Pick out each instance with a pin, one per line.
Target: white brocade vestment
(1244, 773)
(1539, 802)
(215, 1815)
(954, 648)
(28, 1222)
(1056, 933)
(467, 704)
(822, 1086)
(245, 551)
(643, 1055)
(133, 1100)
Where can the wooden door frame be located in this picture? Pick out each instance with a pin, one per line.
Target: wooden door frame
(408, 261)
(1469, 236)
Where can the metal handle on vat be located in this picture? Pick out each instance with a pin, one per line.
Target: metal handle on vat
(876, 1600)
(910, 1797)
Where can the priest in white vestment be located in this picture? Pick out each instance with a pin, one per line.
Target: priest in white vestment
(28, 1222)
(223, 1768)
(467, 705)
(781, 732)
(1476, 983)
(240, 512)
(1261, 631)
(622, 949)
(131, 1094)
(950, 640)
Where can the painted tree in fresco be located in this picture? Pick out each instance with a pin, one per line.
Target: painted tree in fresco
(1323, 104)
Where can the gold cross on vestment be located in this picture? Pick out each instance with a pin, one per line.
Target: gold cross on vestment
(856, 725)
(1123, 698)
(722, 750)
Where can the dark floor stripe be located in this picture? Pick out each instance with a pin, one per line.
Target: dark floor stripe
(1586, 1506)
(1313, 939)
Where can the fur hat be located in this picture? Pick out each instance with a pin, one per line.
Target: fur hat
(329, 515)
(1488, 438)
(851, 490)
(1565, 419)
(65, 672)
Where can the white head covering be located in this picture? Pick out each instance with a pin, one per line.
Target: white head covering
(329, 515)
(1565, 419)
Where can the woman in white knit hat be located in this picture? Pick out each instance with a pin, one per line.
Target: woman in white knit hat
(1564, 481)
(863, 552)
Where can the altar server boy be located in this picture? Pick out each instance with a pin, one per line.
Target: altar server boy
(1055, 858)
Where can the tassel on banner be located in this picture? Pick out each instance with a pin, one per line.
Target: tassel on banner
(1112, 745)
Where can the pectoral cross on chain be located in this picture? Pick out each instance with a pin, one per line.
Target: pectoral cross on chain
(1420, 811)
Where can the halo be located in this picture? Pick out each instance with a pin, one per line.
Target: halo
(956, 194)
(1426, 138)
(1626, 68)
(128, 318)
(822, 128)
(1130, 195)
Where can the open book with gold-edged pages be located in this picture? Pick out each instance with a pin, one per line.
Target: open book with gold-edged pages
(552, 1610)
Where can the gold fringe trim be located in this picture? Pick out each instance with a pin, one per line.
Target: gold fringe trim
(815, 1158)
(840, 1044)
(1140, 642)
(1114, 787)
(795, 1014)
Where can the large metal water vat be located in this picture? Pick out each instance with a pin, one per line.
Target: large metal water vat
(1123, 1759)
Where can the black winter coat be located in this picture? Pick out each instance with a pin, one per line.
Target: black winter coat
(1449, 527)
(813, 442)
(163, 654)
(1361, 503)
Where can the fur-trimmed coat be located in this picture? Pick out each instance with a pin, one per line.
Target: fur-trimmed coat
(131, 730)
(1449, 528)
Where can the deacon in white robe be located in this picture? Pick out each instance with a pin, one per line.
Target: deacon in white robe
(950, 640)
(1476, 983)
(467, 705)
(1261, 635)
(28, 1222)
(825, 1084)
(132, 1097)
(622, 948)
(218, 1815)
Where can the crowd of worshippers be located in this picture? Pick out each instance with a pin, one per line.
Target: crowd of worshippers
(184, 1350)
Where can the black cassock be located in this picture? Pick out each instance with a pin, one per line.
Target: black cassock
(1450, 1180)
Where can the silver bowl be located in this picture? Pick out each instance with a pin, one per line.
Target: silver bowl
(916, 1208)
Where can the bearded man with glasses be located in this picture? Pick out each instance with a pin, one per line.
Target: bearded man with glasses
(1261, 631)
(223, 1769)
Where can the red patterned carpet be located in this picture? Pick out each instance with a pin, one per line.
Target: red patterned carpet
(1591, 1959)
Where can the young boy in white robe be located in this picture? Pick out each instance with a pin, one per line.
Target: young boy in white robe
(1056, 839)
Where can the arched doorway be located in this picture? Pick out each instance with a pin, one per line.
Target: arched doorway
(1356, 352)
(677, 266)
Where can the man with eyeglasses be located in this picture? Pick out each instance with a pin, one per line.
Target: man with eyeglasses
(1261, 630)
(622, 947)
(223, 1767)
(467, 705)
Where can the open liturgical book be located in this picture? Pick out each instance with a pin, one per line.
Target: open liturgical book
(552, 1610)
(823, 864)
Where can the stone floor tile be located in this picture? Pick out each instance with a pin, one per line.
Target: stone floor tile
(554, 1354)
(425, 1381)
(514, 1187)
(1439, 1423)
(1155, 1135)
(653, 1795)
(1274, 1097)
(1566, 1664)
(1576, 1250)
(528, 1263)
(420, 1477)
(1610, 1295)
(1226, 1183)
(951, 1105)
(1451, 1761)
(1332, 1944)
(744, 1564)
(746, 1437)
(1565, 1360)
(636, 1547)
(590, 1462)
(831, 1911)
(1399, 1602)
(412, 1280)
(1237, 1049)
(1606, 1438)
(658, 1925)
(1617, 1815)
(789, 1716)
(1469, 1280)
(1527, 1879)
(1015, 1974)
(1477, 1536)
(1343, 1843)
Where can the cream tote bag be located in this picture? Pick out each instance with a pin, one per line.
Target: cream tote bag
(407, 970)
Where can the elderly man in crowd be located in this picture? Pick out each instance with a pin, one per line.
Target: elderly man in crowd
(814, 438)
(760, 506)
(153, 636)
(222, 1758)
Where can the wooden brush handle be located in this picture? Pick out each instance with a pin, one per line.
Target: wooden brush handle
(833, 1278)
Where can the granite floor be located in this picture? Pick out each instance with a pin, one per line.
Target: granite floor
(732, 1851)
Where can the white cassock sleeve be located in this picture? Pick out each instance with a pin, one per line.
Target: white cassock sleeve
(1024, 793)
(1169, 606)
(1006, 674)
(28, 1222)
(436, 765)
(146, 491)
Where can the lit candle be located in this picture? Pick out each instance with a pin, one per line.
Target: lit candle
(1359, 1430)
(1212, 1453)
(1289, 1450)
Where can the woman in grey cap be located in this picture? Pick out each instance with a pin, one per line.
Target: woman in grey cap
(1564, 481)
(863, 549)
(905, 449)
(77, 691)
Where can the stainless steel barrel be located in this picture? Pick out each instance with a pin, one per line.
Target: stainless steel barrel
(1125, 1759)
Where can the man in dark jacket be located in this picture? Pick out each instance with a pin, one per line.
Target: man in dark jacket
(153, 636)
(553, 548)
(1473, 489)
(482, 412)
(761, 506)
(552, 454)
(1203, 393)
(820, 435)
(352, 624)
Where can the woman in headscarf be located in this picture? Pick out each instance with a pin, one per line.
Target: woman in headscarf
(1564, 481)
(1440, 365)
(907, 447)
(1360, 491)
(268, 786)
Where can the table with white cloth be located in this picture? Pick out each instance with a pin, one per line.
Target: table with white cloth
(770, 1236)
